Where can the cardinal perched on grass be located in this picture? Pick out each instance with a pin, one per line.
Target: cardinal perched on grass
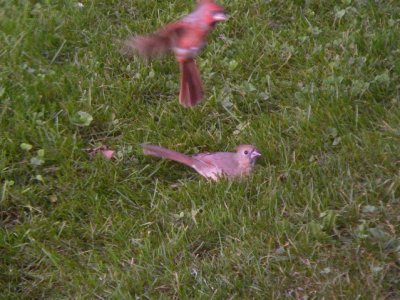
(215, 165)
(185, 38)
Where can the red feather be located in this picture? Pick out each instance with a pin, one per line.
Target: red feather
(191, 87)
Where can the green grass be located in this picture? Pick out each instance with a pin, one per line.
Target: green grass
(314, 84)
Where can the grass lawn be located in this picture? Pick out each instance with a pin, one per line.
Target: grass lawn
(313, 84)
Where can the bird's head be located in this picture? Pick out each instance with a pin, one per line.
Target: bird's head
(212, 12)
(248, 151)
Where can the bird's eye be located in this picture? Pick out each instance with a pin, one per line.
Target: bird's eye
(246, 152)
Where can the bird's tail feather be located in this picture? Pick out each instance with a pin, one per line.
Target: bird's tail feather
(191, 89)
(158, 151)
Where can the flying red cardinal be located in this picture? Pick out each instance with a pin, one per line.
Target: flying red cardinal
(185, 38)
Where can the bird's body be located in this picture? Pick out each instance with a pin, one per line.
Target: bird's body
(185, 38)
(213, 165)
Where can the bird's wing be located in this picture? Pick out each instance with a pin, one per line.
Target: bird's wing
(225, 162)
(155, 44)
